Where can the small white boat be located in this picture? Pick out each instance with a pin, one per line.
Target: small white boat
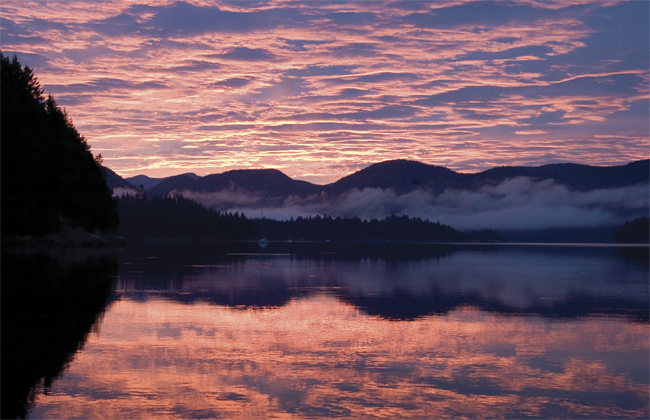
(263, 243)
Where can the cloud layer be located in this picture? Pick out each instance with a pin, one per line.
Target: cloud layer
(321, 89)
(518, 203)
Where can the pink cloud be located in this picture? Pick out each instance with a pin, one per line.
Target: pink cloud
(342, 84)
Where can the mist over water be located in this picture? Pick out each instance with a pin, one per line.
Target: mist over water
(517, 203)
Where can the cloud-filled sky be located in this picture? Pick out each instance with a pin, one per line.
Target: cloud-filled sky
(321, 89)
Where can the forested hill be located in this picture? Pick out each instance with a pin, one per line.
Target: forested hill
(148, 182)
(176, 218)
(404, 176)
(49, 176)
(115, 181)
(268, 182)
(143, 216)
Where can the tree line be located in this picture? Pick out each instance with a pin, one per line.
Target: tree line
(390, 228)
(144, 216)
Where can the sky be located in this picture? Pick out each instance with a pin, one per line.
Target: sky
(319, 90)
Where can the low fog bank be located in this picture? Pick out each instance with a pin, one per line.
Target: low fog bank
(120, 191)
(516, 204)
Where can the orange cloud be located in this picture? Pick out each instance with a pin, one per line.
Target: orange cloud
(235, 80)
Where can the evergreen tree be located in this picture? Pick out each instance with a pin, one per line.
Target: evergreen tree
(635, 231)
(49, 175)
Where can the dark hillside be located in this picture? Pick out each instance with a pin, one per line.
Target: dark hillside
(574, 176)
(174, 183)
(49, 175)
(271, 182)
(402, 176)
(148, 182)
(143, 216)
(113, 180)
(266, 182)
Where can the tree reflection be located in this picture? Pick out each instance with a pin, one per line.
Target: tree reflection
(49, 305)
(399, 281)
(405, 306)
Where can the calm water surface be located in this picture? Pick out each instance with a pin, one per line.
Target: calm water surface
(396, 331)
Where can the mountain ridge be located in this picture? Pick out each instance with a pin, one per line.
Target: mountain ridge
(113, 180)
(402, 177)
(149, 182)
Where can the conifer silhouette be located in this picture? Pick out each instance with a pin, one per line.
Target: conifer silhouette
(49, 175)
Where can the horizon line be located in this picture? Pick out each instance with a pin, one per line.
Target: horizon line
(375, 163)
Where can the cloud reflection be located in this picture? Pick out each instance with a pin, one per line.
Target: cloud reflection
(317, 357)
(402, 281)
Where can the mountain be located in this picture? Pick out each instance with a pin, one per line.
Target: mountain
(147, 182)
(576, 203)
(173, 183)
(575, 177)
(113, 180)
(116, 181)
(404, 176)
(263, 182)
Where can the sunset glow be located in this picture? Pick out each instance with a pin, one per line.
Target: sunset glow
(319, 90)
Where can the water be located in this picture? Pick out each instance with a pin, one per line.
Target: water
(398, 331)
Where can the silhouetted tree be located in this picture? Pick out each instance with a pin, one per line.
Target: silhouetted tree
(636, 231)
(49, 175)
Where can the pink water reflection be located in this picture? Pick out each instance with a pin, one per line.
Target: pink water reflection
(319, 357)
